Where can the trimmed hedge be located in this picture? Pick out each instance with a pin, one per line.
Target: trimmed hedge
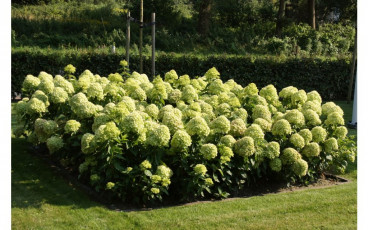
(327, 76)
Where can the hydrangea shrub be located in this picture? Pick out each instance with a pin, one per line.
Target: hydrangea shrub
(141, 140)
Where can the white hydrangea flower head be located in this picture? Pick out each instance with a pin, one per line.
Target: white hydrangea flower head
(87, 143)
(173, 122)
(341, 132)
(174, 96)
(45, 76)
(281, 128)
(200, 169)
(212, 74)
(70, 69)
(223, 109)
(95, 91)
(226, 154)
(264, 124)
(240, 113)
(46, 86)
(314, 96)
(250, 90)
(331, 107)
(115, 77)
(299, 97)
(217, 87)
(269, 93)
(164, 172)
(272, 150)
(313, 105)
(152, 110)
(189, 94)
(81, 106)
(261, 111)
(183, 80)
(59, 81)
(331, 145)
(133, 123)
(311, 117)
(208, 151)
(287, 92)
(35, 106)
(107, 132)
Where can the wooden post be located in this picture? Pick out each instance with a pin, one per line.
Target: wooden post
(127, 38)
(352, 69)
(141, 39)
(153, 44)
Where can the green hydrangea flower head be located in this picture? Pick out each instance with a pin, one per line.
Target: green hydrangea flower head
(319, 134)
(46, 86)
(45, 76)
(250, 90)
(175, 96)
(94, 178)
(107, 132)
(295, 117)
(217, 87)
(334, 119)
(133, 123)
(197, 126)
(115, 77)
(261, 111)
(155, 190)
(189, 94)
(269, 93)
(81, 106)
(21, 107)
(227, 140)
(281, 128)
(331, 145)
(184, 80)
(165, 182)
(72, 126)
(181, 140)
(311, 117)
(272, 150)
(212, 74)
(299, 97)
(331, 107)
(41, 96)
(69, 69)
(123, 63)
(164, 172)
(289, 156)
(173, 122)
(54, 143)
(59, 81)
(341, 132)
(200, 169)
(314, 96)
(226, 153)
(306, 134)
(300, 167)
(255, 131)
(159, 136)
(287, 92)
(276, 165)
(264, 124)
(152, 110)
(313, 105)
(208, 181)
(171, 76)
(240, 113)
(278, 116)
(156, 179)
(87, 143)
(208, 151)
(220, 125)
(95, 91)
(145, 165)
(244, 147)
(223, 109)
(297, 140)
(59, 96)
(35, 106)
(237, 127)
(110, 185)
(30, 83)
(311, 150)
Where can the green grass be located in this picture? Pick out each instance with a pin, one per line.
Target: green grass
(41, 199)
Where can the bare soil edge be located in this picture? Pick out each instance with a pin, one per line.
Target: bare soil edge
(327, 180)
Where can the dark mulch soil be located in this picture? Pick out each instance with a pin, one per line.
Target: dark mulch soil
(260, 189)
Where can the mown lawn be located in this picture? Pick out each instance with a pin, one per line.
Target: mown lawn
(41, 199)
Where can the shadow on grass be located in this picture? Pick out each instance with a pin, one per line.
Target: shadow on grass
(34, 183)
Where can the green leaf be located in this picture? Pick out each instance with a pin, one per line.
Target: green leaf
(147, 173)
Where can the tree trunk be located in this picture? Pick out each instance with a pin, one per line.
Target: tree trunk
(312, 13)
(280, 17)
(204, 17)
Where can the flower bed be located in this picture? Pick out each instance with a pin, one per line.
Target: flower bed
(141, 141)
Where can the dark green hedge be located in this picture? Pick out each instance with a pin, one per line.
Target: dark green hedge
(328, 76)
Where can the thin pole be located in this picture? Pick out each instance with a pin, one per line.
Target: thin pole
(127, 38)
(352, 69)
(141, 39)
(153, 44)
